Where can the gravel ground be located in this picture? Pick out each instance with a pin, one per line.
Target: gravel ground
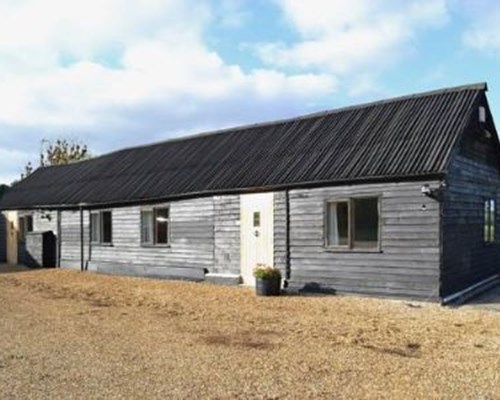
(66, 334)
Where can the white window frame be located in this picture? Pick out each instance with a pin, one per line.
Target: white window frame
(351, 225)
(489, 223)
(100, 231)
(154, 228)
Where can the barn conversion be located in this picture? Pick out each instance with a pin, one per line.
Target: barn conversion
(396, 197)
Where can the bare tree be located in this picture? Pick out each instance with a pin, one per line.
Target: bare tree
(59, 152)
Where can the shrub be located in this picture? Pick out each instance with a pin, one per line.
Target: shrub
(266, 272)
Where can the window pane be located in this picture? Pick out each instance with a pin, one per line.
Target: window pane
(94, 227)
(22, 228)
(147, 226)
(162, 226)
(365, 223)
(29, 223)
(489, 220)
(492, 220)
(107, 227)
(256, 219)
(337, 224)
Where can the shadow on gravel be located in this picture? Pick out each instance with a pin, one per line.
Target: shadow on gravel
(8, 269)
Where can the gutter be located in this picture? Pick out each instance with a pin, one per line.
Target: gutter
(472, 291)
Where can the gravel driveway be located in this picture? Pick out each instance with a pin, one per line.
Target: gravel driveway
(66, 334)
(489, 300)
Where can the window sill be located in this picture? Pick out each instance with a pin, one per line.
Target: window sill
(156, 246)
(354, 250)
(95, 244)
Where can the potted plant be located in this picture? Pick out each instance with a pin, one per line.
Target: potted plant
(267, 280)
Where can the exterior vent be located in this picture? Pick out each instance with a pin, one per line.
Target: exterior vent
(482, 115)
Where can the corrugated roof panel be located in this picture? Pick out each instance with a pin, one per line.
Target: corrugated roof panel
(400, 137)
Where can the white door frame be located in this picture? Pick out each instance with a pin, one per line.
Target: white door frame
(256, 233)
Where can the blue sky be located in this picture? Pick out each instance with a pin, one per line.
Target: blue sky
(116, 73)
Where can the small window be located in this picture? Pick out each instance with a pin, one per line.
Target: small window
(22, 228)
(29, 223)
(161, 219)
(155, 226)
(95, 227)
(256, 219)
(147, 227)
(489, 221)
(365, 231)
(106, 227)
(338, 221)
(352, 223)
(25, 226)
(101, 227)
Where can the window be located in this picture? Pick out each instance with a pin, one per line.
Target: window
(101, 227)
(338, 223)
(29, 223)
(256, 219)
(489, 221)
(147, 227)
(25, 226)
(352, 223)
(155, 229)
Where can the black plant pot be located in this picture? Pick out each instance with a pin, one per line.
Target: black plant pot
(268, 287)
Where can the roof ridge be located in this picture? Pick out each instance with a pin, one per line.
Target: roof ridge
(473, 86)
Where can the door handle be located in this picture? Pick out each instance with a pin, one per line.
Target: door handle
(256, 233)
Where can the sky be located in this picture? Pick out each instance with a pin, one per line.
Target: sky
(119, 73)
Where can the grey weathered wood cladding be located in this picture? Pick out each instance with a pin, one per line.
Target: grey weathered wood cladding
(205, 237)
(472, 179)
(408, 260)
(3, 238)
(190, 252)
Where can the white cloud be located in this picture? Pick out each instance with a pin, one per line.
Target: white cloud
(110, 70)
(347, 37)
(232, 13)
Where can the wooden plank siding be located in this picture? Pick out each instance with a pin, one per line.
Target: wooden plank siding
(70, 239)
(3, 238)
(45, 221)
(407, 263)
(189, 254)
(473, 178)
(226, 235)
(280, 232)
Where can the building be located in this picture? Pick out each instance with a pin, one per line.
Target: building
(392, 198)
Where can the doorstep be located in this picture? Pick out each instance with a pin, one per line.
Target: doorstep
(223, 279)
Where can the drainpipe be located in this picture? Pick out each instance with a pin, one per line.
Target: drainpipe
(82, 245)
(59, 239)
(287, 237)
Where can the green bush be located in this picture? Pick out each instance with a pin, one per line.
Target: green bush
(266, 272)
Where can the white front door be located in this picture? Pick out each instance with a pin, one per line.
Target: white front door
(257, 221)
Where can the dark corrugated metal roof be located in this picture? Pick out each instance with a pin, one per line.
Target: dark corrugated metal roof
(3, 189)
(399, 138)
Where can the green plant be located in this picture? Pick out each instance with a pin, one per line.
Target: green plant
(266, 272)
